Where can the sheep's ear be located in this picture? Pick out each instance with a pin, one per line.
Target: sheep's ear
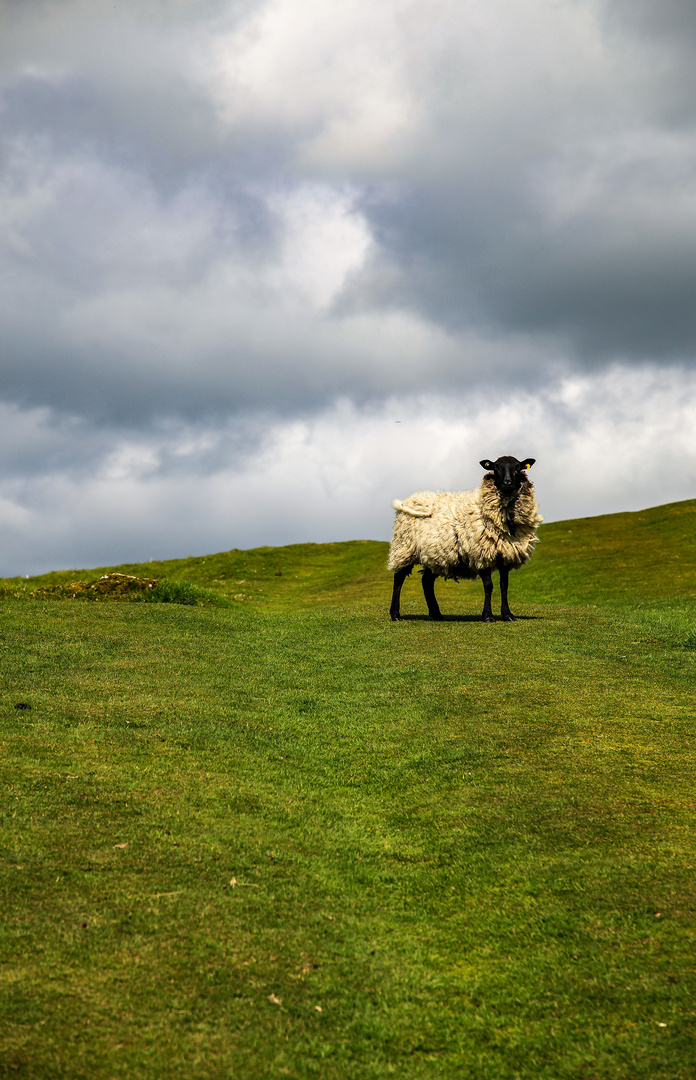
(486, 464)
(527, 463)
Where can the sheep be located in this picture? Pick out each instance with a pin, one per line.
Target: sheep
(465, 534)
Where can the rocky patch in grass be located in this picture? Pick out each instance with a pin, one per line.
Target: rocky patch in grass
(108, 587)
(115, 586)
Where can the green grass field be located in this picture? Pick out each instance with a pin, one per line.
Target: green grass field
(261, 831)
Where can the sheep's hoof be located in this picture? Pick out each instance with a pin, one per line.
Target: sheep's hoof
(487, 618)
(509, 617)
(396, 618)
(436, 616)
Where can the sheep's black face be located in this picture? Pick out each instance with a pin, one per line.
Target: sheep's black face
(508, 473)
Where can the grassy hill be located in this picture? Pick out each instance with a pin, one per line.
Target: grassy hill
(619, 559)
(286, 837)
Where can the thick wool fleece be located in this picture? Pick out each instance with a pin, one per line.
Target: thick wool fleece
(457, 533)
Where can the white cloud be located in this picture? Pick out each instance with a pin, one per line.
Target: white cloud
(332, 75)
(323, 242)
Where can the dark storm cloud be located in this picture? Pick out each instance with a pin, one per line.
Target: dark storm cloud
(616, 281)
(42, 440)
(165, 129)
(674, 20)
(570, 210)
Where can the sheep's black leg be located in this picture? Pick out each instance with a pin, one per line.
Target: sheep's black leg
(487, 579)
(505, 612)
(399, 578)
(428, 579)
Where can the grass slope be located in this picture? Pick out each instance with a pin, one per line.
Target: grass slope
(618, 559)
(290, 838)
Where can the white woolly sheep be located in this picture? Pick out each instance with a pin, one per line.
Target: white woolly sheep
(467, 534)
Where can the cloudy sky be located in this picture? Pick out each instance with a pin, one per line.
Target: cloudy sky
(267, 264)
